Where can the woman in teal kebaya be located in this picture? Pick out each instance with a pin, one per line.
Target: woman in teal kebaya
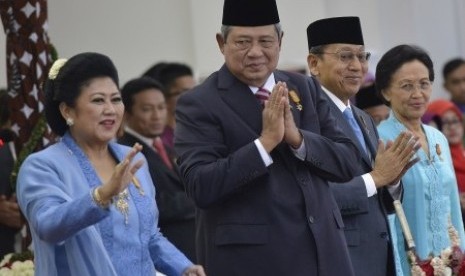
(404, 77)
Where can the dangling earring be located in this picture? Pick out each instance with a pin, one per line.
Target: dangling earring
(69, 121)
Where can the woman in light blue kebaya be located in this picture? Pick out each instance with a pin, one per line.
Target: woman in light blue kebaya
(90, 202)
(404, 77)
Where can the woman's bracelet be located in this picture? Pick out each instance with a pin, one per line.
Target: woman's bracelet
(98, 200)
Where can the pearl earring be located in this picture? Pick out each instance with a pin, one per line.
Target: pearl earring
(69, 121)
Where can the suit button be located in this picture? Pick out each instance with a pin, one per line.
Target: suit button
(384, 235)
(311, 219)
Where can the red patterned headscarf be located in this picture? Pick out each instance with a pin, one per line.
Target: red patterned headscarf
(438, 108)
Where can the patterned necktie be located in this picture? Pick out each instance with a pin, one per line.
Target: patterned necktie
(262, 95)
(349, 115)
(160, 148)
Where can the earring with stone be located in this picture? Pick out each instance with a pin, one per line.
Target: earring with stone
(69, 121)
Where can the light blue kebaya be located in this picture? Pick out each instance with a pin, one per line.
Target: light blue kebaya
(72, 235)
(430, 197)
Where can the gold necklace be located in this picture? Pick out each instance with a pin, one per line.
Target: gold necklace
(121, 202)
(122, 205)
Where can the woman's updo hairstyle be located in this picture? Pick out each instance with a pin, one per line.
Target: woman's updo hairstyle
(65, 81)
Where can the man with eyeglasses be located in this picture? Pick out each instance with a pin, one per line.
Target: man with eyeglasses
(257, 164)
(339, 61)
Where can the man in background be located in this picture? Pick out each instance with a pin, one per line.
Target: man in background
(367, 100)
(177, 78)
(145, 119)
(453, 74)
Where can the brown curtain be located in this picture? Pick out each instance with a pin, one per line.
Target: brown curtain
(28, 57)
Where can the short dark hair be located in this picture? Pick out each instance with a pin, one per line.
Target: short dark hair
(154, 71)
(135, 86)
(450, 66)
(393, 59)
(317, 50)
(167, 73)
(67, 85)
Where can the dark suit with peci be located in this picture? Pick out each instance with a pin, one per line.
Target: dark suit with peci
(258, 220)
(365, 218)
(177, 211)
(7, 234)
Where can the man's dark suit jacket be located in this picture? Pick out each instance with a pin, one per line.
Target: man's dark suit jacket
(365, 218)
(258, 220)
(177, 211)
(7, 234)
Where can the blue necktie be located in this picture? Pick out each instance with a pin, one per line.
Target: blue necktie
(355, 127)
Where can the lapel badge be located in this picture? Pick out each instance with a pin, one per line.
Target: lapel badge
(295, 99)
(438, 151)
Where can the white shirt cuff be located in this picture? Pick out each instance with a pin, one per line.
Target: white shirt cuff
(369, 184)
(266, 157)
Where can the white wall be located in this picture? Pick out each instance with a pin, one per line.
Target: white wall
(433, 25)
(136, 34)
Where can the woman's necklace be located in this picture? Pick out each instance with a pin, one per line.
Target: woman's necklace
(122, 205)
(121, 202)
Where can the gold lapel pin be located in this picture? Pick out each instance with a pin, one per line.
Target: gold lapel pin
(438, 151)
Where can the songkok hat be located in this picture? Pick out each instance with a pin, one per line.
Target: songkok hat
(335, 30)
(367, 97)
(250, 12)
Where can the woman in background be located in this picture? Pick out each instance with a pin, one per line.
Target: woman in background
(404, 77)
(450, 122)
(89, 201)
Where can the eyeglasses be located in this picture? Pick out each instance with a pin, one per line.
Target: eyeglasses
(411, 87)
(348, 56)
(244, 44)
(450, 123)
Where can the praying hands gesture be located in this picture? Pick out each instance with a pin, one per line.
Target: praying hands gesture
(277, 120)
